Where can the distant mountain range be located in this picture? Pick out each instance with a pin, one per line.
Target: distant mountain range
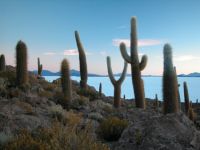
(73, 73)
(77, 73)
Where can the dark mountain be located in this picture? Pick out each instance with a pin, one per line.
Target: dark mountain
(194, 74)
(73, 73)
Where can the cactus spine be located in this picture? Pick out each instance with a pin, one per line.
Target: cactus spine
(170, 87)
(136, 66)
(2, 63)
(66, 82)
(82, 61)
(21, 61)
(116, 83)
(100, 90)
(39, 68)
(186, 97)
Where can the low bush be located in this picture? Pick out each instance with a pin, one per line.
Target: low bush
(112, 128)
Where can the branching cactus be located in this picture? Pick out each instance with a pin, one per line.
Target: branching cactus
(170, 87)
(100, 89)
(82, 61)
(66, 82)
(2, 63)
(136, 66)
(39, 68)
(186, 98)
(116, 83)
(21, 61)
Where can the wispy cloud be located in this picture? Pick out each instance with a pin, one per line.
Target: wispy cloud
(103, 53)
(186, 58)
(141, 43)
(73, 52)
(49, 53)
(70, 52)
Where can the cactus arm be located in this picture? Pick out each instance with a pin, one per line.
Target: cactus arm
(123, 75)
(110, 73)
(143, 62)
(124, 53)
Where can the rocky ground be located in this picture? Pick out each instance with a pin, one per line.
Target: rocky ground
(91, 122)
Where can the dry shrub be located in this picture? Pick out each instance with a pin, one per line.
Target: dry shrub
(58, 137)
(46, 94)
(112, 128)
(25, 106)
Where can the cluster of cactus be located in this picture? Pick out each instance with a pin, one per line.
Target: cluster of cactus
(116, 83)
(21, 64)
(2, 63)
(66, 82)
(82, 61)
(136, 66)
(170, 86)
(39, 68)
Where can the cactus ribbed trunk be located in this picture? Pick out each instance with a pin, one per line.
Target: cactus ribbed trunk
(135, 69)
(170, 87)
(186, 97)
(117, 95)
(82, 61)
(22, 69)
(2, 63)
(116, 83)
(136, 65)
(66, 82)
(39, 68)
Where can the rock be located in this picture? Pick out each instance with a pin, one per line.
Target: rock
(173, 131)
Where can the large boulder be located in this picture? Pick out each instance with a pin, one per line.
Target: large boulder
(150, 131)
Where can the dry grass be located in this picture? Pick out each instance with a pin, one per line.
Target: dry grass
(58, 137)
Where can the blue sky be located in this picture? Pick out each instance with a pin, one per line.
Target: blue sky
(47, 27)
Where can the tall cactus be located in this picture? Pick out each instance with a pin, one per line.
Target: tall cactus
(186, 98)
(2, 63)
(179, 98)
(39, 68)
(100, 89)
(66, 82)
(136, 66)
(21, 61)
(170, 87)
(82, 61)
(116, 83)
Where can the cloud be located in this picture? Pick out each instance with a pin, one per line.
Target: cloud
(73, 52)
(141, 43)
(186, 58)
(49, 53)
(103, 53)
(70, 52)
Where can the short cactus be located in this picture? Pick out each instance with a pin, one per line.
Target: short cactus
(116, 83)
(66, 82)
(191, 113)
(100, 89)
(2, 63)
(39, 68)
(186, 98)
(170, 87)
(82, 61)
(136, 66)
(156, 104)
(21, 62)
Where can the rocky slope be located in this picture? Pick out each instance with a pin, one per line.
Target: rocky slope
(39, 106)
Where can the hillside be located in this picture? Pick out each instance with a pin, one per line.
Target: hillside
(36, 117)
